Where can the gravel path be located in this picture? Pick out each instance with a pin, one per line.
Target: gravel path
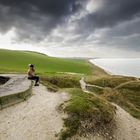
(127, 127)
(35, 119)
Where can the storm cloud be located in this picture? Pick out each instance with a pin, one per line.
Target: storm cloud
(33, 18)
(75, 23)
(109, 13)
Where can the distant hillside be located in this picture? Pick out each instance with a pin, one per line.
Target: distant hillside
(17, 61)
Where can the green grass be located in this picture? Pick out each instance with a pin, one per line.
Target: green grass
(96, 90)
(59, 81)
(109, 81)
(96, 73)
(17, 61)
(128, 97)
(84, 108)
(124, 91)
(51, 87)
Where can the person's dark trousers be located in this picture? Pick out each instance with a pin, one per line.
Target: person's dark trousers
(36, 78)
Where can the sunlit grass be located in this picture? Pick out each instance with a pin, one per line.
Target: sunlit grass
(17, 61)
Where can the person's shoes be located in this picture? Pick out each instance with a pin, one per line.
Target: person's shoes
(36, 85)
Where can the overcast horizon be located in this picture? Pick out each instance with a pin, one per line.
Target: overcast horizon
(72, 28)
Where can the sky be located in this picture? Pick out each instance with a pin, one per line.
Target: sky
(72, 28)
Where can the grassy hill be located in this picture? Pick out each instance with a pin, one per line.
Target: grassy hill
(17, 61)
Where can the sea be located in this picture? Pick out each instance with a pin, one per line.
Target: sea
(119, 66)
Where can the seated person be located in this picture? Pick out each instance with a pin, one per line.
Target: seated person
(31, 74)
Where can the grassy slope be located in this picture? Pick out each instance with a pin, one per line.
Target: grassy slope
(128, 96)
(58, 81)
(96, 73)
(124, 91)
(110, 81)
(17, 61)
(86, 114)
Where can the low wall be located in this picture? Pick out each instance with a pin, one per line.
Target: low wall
(16, 90)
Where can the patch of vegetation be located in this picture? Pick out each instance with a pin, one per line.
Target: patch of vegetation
(86, 113)
(61, 81)
(110, 81)
(97, 73)
(17, 61)
(49, 86)
(95, 89)
(127, 96)
(122, 90)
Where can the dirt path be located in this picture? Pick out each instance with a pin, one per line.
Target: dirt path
(34, 119)
(127, 127)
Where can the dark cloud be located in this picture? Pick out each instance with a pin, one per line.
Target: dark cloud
(49, 7)
(111, 13)
(35, 18)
